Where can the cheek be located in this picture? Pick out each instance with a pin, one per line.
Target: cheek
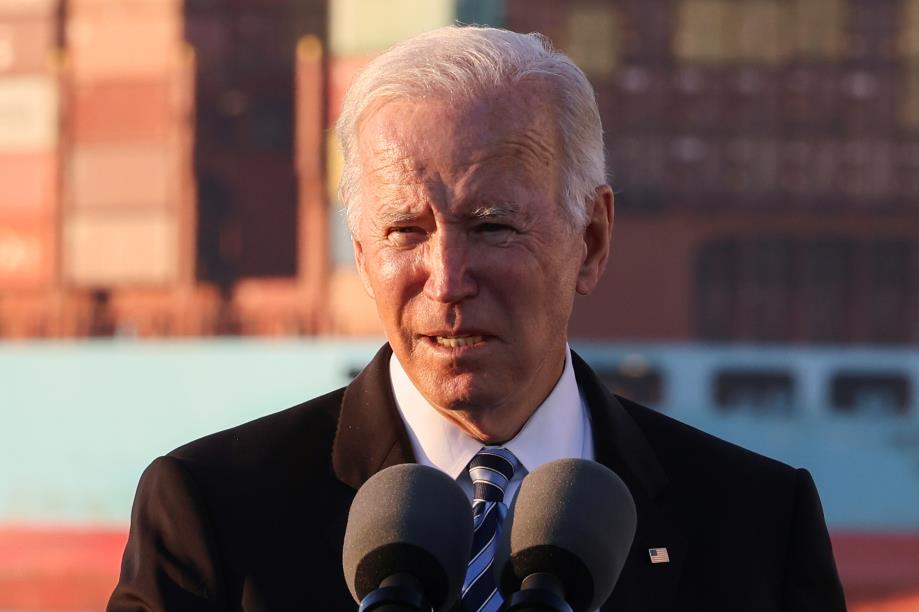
(396, 280)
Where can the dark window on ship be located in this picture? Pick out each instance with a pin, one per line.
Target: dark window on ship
(635, 380)
(761, 392)
(871, 393)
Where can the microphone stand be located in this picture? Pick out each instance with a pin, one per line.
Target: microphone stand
(397, 593)
(540, 592)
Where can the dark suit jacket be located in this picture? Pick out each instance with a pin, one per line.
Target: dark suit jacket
(253, 518)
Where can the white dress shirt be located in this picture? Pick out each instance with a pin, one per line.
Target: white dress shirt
(558, 429)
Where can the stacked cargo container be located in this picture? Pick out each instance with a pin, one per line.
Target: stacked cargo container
(29, 136)
(775, 130)
(251, 229)
(126, 217)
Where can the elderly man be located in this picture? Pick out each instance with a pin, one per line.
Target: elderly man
(475, 190)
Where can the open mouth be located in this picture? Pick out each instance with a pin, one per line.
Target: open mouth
(457, 341)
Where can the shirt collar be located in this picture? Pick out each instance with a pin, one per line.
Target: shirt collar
(556, 430)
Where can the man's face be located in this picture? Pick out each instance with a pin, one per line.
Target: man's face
(466, 249)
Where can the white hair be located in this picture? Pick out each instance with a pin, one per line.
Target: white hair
(456, 63)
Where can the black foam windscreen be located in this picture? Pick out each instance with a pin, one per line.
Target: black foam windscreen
(574, 519)
(409, 519)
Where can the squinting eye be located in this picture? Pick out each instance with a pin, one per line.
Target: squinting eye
(493, 227)
(405, 235)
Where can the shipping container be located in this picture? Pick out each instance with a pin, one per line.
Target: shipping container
(907, 173)
(28, 113)
(720, 32)
(159, 312)
(27, 43)
(751, 100)
(872, 29)
(362, 26)
(648, 30)
(716, 275)
(908, 111)
(544, 16)
(28, 183)
(124, 39)
(28, 8)
(264, 39)
(334, 166)
(765, 290)
(27, 255)
(126, 109)
(703, 33)
(694, 169)
(481, 12)
(209, 33)
(818, 29)
(809, 98)
(909, 30)
(808, 169)
(868, 101)
(697, 98)
(750, 168)
(119, 7)
(638, 173)
(342, 70)
(104, 249)
(638, 101)
(827, 288)
(866, 171)
(758, 31)
(593, 38)
(889, 276)
(137, 175)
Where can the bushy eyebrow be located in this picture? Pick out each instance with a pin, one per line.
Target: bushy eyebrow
(493, 211)
(481, 213)
(397, 217)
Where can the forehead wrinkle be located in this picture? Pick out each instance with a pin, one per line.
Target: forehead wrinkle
(528, 150)
(531, 143)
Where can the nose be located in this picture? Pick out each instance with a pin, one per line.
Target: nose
(450, 277)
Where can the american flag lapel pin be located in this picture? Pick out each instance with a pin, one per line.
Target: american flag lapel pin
(659, 555)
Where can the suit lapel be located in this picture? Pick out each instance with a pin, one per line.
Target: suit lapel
(369, 438)
(370, 434)
(620, 445)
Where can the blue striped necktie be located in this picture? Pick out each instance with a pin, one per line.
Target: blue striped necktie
(491, 469)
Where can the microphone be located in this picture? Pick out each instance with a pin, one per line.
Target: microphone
(565, 539)
(407, 541)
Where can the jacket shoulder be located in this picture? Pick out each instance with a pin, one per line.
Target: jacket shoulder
(691, 453)
(306, 429)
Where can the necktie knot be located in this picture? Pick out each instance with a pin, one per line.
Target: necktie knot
(490, 470)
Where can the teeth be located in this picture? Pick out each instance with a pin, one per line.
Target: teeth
(457, 341)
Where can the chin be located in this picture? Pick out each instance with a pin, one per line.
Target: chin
(461, 393)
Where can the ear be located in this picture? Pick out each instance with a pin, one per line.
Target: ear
(361, 266)
(596, 238)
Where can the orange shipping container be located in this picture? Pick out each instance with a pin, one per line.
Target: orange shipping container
(14, 8)
(103, 250)
(342, 70)
(28, 112)
(135, 109)
(124, 176)
(26, 43)
(118, 39)
(28, 182)
(26, 252)
(82, 7)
